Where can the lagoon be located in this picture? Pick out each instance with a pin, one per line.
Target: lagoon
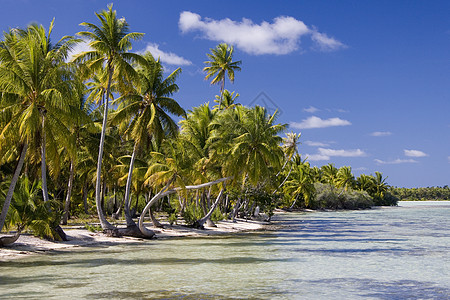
(382, 253)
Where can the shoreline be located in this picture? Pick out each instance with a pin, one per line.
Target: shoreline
(28, 245)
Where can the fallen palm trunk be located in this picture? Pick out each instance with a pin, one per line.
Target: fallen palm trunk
(164, 192)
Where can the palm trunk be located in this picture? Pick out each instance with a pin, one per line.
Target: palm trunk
(203, 220)
(284, 181)
(85, 194)
(236, 209)
(222, 88)
(128, 217)
(165, 192)
(104, 223)
(12, 186)
(68, 196)
(43, 163)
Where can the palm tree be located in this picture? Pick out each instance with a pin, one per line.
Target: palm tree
(301, 183)
(38, 92)
(329, 173)
(256, 147)
(110, 42)
(227, 99)
(146, 113)
(220, 65)
(344, 178)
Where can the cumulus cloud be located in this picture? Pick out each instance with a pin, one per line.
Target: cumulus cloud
(381, 133)
(317, 157)
(414, 153)
(326, 154)
(282, 36)
(395, 162)
(77, 49)
(311, 109)
(326, 43)
(316, 144)
(166, 57)
(341, 152)
(316, 122)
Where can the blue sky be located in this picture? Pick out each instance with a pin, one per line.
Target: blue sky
(367, 83)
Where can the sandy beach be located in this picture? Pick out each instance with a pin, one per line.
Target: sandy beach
(28, 244)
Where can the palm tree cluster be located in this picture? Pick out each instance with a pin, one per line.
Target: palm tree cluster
(423, 193)
(96, 134)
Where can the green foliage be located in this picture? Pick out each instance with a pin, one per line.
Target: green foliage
(29, 211)
(93, 228)
(192, 213)
(328, 196)
(422, 194)
(172, 218)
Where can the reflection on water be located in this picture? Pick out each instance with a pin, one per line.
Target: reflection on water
(384, 253)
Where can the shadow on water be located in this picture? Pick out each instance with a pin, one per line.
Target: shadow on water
(157, 295)
(389, 290)
(7, 280)
(96, 262)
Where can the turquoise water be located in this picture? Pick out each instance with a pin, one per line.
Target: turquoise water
(384, 253)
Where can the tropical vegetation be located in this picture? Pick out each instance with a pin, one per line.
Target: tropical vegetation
(104, 133)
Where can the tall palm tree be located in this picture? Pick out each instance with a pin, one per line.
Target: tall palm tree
(221, 64)
(227, 99)
(110, 42)
(329, 173)
(300, 183)
(38, 96)
(254, 142)
(345, 178)
(146, 111)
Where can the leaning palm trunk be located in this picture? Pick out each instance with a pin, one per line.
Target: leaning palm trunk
(284, 181)
(104, 223)
(207, 217)
(128, 217)
(43, 163)
(9, 239)
(165, 192)
(68, 196)
(12, 186)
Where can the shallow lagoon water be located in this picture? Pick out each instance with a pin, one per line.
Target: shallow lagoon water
(384, 253)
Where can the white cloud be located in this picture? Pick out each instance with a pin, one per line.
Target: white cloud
(316, 144)
(342, 153)
(317, 157)
(311, 109)
(360, 169)
(326, 43)
(326, 154)
(78, 48)
(414, 153)
(282, 36)
(448, 159)
(316, 122)
(381, 133)
(167, 57)
(395, 162)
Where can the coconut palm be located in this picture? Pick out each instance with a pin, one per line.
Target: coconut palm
(220, 65)
(246, 142)
(146, 112)
(227, 99)
(345, 178)
(110, 42)
(300, 183)
(38, 97)
(329, 173)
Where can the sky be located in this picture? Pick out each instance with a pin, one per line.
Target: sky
(366, 83)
